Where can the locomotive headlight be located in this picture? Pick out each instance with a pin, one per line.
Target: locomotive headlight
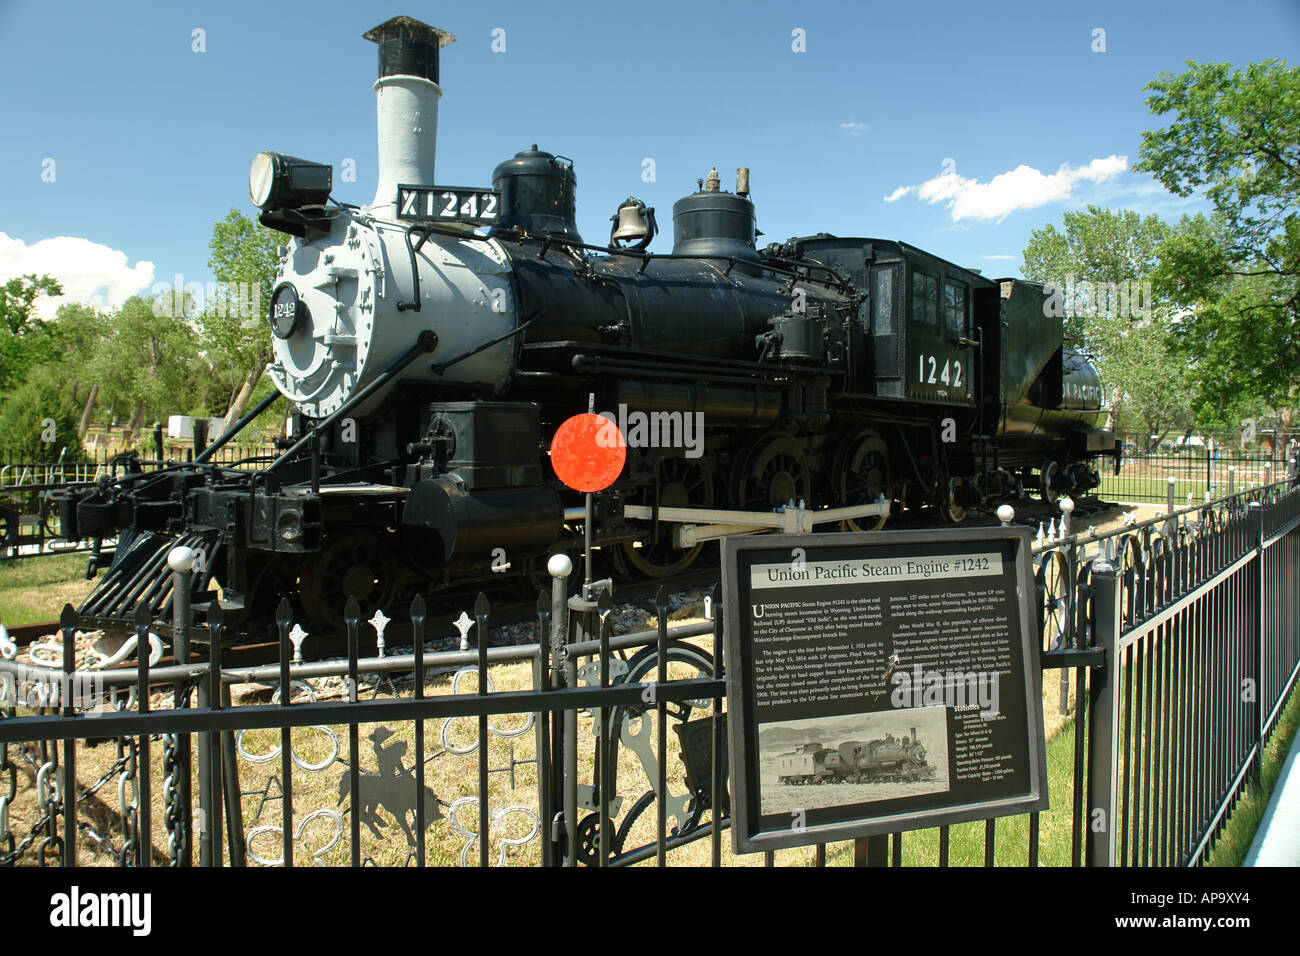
(276, 181)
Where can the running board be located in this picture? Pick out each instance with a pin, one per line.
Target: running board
(696, 525)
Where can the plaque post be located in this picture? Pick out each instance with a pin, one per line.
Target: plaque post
(1103, 701)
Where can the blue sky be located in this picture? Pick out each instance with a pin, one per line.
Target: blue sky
(150, 141)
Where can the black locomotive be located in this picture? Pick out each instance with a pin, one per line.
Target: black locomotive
(886, 759)
(433, 340)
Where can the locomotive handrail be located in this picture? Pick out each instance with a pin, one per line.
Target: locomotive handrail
(644, 256)
(414, 304)
(439, 367)
(595, 364)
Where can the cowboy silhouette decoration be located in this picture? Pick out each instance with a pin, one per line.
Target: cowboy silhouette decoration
(393, 788)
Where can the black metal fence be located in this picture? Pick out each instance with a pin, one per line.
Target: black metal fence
(1198, 464)
(1178, 635)
(29, 514)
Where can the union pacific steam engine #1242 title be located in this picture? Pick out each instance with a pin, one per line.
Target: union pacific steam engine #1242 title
(831, 572)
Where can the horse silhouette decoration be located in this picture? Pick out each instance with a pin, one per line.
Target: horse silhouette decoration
(393, 788)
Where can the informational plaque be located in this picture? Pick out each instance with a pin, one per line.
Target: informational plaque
(879, 682)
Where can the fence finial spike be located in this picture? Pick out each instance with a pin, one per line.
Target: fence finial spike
(142, 617)
(68, 617)
(419, 610)
(284, 613)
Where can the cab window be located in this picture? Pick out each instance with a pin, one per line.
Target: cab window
(925, 299)
(954, 309)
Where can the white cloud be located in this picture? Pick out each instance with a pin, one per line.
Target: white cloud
(89, 272)
(1021, 188)
(854, 128)
(997, 256)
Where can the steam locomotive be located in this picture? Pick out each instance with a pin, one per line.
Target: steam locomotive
(432, 341)
(888, 759)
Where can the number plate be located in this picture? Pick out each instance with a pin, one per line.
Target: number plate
(448, 204)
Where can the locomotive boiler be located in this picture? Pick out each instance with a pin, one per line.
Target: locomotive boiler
(433, 340)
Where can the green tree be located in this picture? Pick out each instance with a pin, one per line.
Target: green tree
(237, 338)
(24, 337)
(1097, 250)
(1100, 263)
(149, 362)
(1235, 135)
(38, 420)
(78, 332)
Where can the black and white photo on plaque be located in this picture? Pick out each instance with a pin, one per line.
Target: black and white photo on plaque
(853, 759)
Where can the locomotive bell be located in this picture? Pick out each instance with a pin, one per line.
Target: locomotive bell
(633, 223)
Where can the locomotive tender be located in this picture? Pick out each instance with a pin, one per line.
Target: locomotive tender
(433, 340)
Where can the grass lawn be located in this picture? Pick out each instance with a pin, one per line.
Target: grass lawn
(1151, 489)
(35, 589)
(1234, 842)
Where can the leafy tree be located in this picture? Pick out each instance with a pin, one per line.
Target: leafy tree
(1235, 134)
(149, 361)
(39, 419)
(77, 332)
(1100, 263)
(237, 339)
(1098, 248)
(24, 339)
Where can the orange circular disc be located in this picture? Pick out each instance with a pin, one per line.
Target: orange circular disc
(588, 452)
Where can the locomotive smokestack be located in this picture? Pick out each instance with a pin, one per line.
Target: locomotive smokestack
(406, 98)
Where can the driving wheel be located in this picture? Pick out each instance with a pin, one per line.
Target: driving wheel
(681, 483)
(774, 473)
(862, 476)
(357, 564)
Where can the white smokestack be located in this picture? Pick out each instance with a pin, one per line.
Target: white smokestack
(406, 102)
(408, 136)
